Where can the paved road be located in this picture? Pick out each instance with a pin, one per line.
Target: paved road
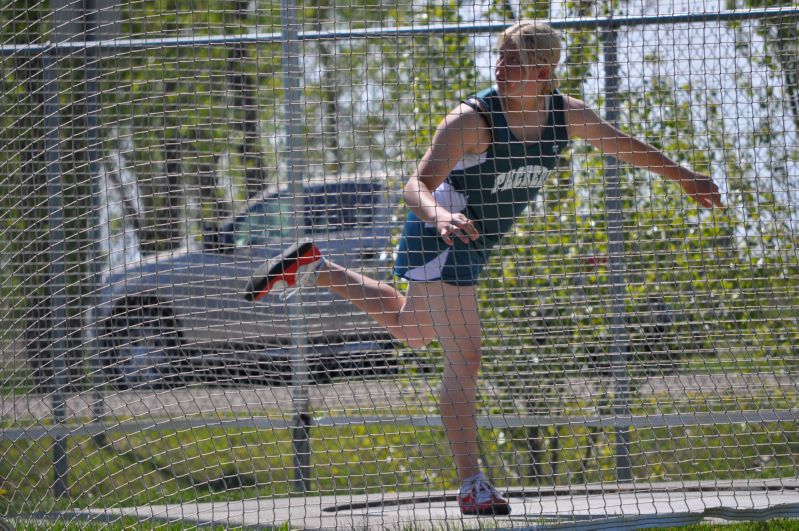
(384, 395)
(599, 506)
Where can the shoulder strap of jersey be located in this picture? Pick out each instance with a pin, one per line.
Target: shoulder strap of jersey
(482, 103)
(559, 110)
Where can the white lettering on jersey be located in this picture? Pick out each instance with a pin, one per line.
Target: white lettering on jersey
(532, 176)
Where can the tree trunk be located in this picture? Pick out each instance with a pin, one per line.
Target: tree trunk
(244, 88)
(33, 246)
(329, 94)
(788, 57)
(537, 453)
(506, 9)
(332, 149)
(162, 230)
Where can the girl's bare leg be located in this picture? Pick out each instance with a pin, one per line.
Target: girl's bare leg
(428, 311)
(457, 322)
(406, 317)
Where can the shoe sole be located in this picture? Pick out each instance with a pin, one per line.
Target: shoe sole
(289, 262)
(489, 511)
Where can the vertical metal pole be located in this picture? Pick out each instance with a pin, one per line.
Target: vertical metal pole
(91, 70)
(57, 267)
(292, 74)
(617, 264)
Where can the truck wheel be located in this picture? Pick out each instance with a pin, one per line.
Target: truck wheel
(143, 346)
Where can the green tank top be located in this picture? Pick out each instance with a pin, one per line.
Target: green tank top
(502, 181)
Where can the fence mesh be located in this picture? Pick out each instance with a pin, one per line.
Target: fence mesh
(638, 351)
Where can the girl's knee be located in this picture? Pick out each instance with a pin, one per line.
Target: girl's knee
(413, 335)
(416, 329)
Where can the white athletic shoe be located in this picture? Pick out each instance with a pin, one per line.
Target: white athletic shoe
(478, 497)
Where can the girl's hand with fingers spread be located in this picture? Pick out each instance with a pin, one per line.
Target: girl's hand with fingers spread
(702, 189)
(457, 225)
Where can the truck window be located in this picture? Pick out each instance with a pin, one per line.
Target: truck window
(339, 207)
(265, 221)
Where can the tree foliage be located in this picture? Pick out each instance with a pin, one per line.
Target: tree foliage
(696, 279)
(188, 131)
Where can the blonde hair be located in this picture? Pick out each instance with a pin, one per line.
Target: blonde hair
(538, 43)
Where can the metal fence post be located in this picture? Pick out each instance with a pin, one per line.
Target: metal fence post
(93, 140)
(57, 266)
(292, 75)
(616, 263)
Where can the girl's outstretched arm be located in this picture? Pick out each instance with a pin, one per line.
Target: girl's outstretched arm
(583, 122)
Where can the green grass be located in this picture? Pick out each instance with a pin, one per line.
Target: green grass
(781, 524)
(214, 465)
(129, 523)
(202, 465)
(121, 524)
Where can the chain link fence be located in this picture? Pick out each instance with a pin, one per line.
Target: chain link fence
(639, 359)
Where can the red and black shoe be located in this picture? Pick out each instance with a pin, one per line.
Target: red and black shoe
(479, 497)
(295, 267)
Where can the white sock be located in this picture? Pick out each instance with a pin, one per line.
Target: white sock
(468, 482)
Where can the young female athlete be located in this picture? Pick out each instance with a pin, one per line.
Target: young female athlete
(488, 158)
